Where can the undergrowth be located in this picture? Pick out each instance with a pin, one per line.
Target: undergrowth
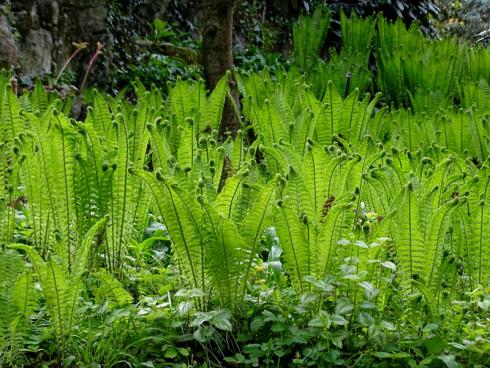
(348, 233)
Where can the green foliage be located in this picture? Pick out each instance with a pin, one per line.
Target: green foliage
(128, 23)
(61, 285)
(410, 70)
(349, 69)
(17, 301)
(339, 232)
(309, 34)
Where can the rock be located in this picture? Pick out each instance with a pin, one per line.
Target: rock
(23, 22)
(8, 49)
(22, 5)
(36, 53)
(48, 13)
(93, 20)
(45, 30)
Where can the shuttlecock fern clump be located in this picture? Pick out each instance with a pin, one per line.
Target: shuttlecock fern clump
(339, 221)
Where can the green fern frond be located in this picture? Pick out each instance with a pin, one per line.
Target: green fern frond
(18, 301)
(60, 286)
(215, 104)
(254, 223)
(295, 242)
(182, 217)
(12, 123)
(222, 256)
(40, 98)
(326, 129)
(435, 239)
(407, 237)
(111, 289)
(188, 146)
(336, 222)
(226, 202)
(309, 32)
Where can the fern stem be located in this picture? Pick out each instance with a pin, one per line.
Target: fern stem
(174, 206)
(225, 253)
(293, 248)
(67, 197)
(254, 243)
(410, 230)
(198, 228)
(330, 245)
(58, 308)
(124, 199)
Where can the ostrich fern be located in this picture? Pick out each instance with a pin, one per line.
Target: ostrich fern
(61, 284)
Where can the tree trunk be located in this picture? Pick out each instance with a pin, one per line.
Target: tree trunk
(217, 56)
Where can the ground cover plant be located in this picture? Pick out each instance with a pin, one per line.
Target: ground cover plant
(350, 229)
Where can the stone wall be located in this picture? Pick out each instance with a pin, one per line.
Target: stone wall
(43, 31)
(8, 48)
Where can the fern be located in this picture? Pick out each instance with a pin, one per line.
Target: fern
(215, 104)
(11, 126)
(479, 234)
(17, 301)
(227, 201)
(348, 68)
(326, 129)
(62, 286)
(254, 223)
(407, 236)
(101, 119)
(12, 123)
(308, 36)
(293, 235)
(49, 169)
(182, 217)
(111, 289)
(188, 146)
(40, 98)
(222, 258)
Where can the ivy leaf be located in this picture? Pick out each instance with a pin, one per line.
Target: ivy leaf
(321, 321)
(201, 317)
(338, 337)
(352, 277)
(256, 324)
(389, 265)
(203, 333)
(369, 290)
(400, 355)
(385, 355)
(221, 320)
(239, 358)
(457, 345)
(338, 320)
(382, 354)
(344, 305)
(449, 360)
(221, 323)
(361, 244)
(365, 319)
(277, 326)
(170, 353)
(324, 286)
(388, 325)
(347, 269)
(185, 307)
(430, 327)
(368, 305)
(434, 345)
